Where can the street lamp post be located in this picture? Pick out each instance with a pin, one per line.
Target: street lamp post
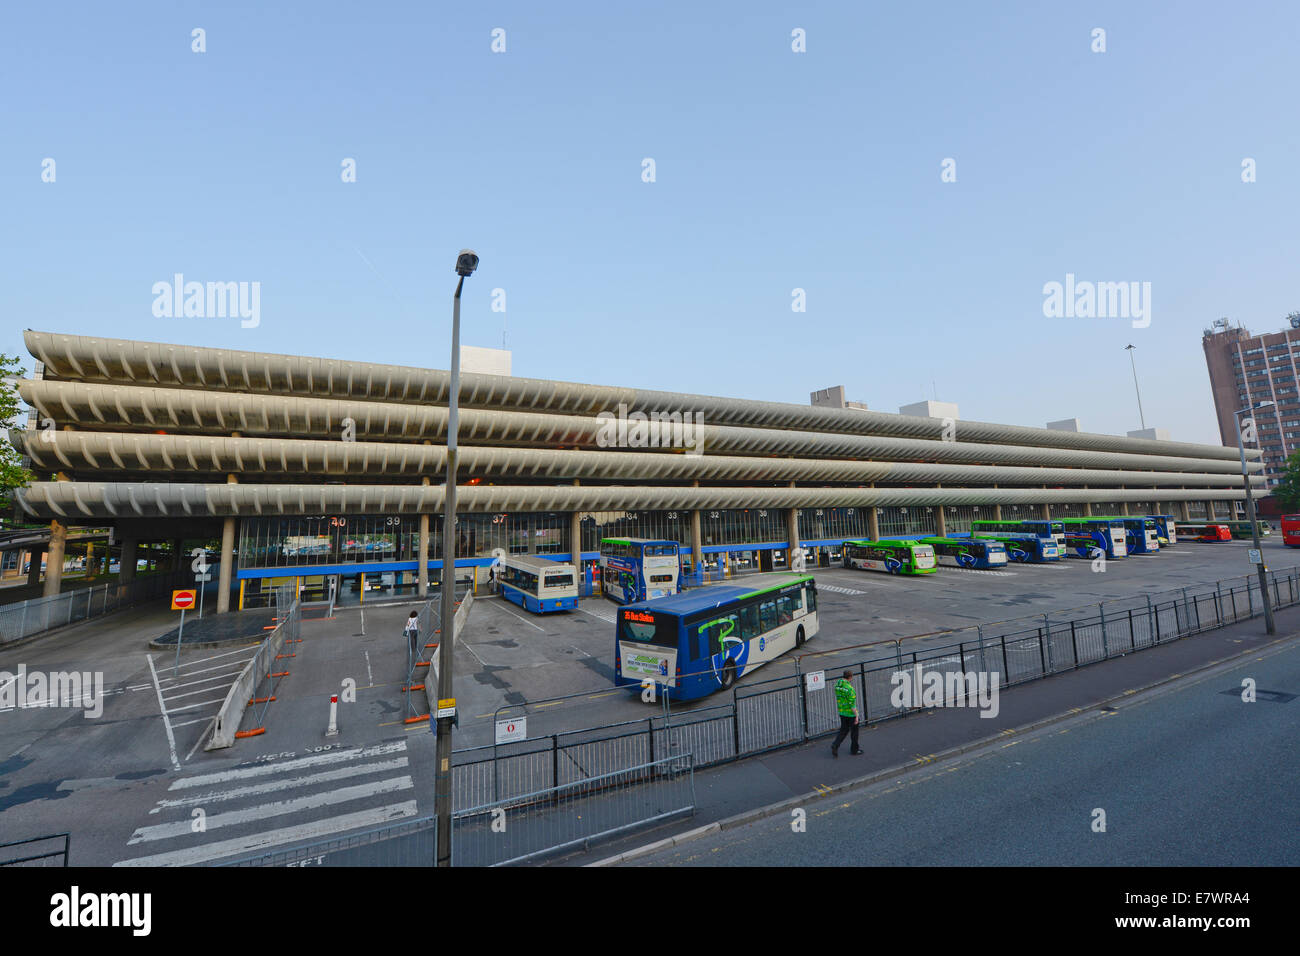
(1250, 514)
(466, 263)
(1142, 418)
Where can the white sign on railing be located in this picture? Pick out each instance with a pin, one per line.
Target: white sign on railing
(816, 680)
(515, 728)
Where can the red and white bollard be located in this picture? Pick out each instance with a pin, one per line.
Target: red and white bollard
(334, 716)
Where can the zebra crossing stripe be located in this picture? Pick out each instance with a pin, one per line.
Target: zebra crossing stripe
(315, 801)
(253, 790)
(256, 842)
(272, 767)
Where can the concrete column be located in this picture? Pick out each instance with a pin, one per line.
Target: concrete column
(873, 524)
(1209, 511)
(422, 554)
(126, 563)
(54, 558)
(34, 567)
(940, 525)
(1183, 514)
(1047, 511)
(227, 558)
(791, 532)
(697, 546)
(1123, 505)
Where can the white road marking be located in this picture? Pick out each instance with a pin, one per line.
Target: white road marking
(252, 790)
(202, 703)
(171, 739)
(225, 675)
(599, 617)
(525, 620)
(839, 590)
(315, 801)
(371, 677)
(261, 841)
(212, 721)
(270, 767)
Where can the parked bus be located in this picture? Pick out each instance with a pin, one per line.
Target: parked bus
(539, 585)
(1206, 531)
(1166, 530)
(1042, 527)
(639, 569)
(895, 557)
(1079, 544)
(959, 551)
(1024, 546)
(1108, 533)
(1241, 529)
(703, 640)
(1140, 533)
(1291, 531)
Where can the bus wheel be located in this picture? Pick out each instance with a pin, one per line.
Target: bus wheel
(798, 637)
(728, 675)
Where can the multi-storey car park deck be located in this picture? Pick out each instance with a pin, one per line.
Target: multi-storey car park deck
(326, 470)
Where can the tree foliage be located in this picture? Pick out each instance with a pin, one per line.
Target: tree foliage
(1287, 491)
(12, 473)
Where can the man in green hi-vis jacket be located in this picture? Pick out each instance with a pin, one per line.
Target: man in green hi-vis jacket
(846, 701)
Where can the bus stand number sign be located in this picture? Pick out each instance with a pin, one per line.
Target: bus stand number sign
(183, 600)
(816, 680)
(508, 731)
(1254, 556)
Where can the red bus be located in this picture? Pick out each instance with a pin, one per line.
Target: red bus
(1291, 531)
(1207, 531)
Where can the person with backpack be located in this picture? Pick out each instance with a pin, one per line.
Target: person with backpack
(846, 702)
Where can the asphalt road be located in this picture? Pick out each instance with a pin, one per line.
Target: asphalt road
(1190, 775)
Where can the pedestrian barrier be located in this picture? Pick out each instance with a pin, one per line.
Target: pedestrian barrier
(256, 684)
(763, 715)
(49, 850)
(27, 618)
(573, 815)
(431, 674)
(408, 843)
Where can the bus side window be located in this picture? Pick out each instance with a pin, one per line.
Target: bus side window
(767, 615)
(749, 622)
(784, 610)
(812, 600)
(797, 598)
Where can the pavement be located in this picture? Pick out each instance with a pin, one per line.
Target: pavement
(1192, 775)
(897, 749)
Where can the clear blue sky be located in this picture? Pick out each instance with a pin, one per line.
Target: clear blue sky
(775, 170)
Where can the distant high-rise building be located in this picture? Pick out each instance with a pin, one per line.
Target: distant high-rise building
(1247, 369)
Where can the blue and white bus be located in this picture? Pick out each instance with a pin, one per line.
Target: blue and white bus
(1166, 530)
(954, 551)
(539, 585)
(639, 569)
(1141, 536)
(705, 639)
(1023, 546)
(1107, 533)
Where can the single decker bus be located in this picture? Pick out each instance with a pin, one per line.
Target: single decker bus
(893, 557)
(539, 585)
(961, 552)
(705, 639)
(1109, 534)
(1024, 547)
(1205, 531)
(639, 569)
(1166, 530)
(1042, 527)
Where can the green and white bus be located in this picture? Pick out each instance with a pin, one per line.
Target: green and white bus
(892, 557)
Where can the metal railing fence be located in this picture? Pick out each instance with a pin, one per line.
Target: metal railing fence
(763, 715)
(51, 850)
(574, 814)
(27, 618)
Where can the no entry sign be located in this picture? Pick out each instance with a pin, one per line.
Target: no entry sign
(183, 600)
